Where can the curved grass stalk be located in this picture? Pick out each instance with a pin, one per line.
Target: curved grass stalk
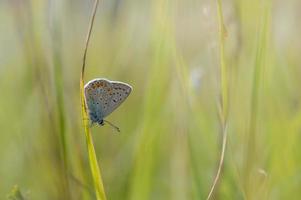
(250, 162)
(96, 174)
(223, 105)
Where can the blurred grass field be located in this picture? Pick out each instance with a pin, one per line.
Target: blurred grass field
(170, 141)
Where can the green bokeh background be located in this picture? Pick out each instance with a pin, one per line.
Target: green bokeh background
(170, 140)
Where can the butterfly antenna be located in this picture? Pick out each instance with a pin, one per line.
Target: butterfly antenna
(112, 125)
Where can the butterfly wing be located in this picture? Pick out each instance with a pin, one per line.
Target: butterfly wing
(96, 97)
(118, 93)
(104, 96)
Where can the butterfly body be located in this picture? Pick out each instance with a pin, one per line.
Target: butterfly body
(103, 97)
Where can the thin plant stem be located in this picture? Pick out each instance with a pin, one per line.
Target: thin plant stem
(88, 37)
(223, 104)
(95, 170)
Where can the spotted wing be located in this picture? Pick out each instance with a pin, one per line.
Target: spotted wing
(104, 96)
(97, 96)
(118, 93)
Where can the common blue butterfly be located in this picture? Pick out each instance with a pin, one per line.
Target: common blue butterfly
(103, 97)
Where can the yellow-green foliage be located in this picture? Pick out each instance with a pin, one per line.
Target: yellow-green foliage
(15, 194)
(186, 75)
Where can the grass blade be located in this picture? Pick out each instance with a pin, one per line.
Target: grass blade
(223, 104)
(252, 148)
(96, 174)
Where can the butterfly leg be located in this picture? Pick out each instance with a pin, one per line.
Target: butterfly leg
(92, 124)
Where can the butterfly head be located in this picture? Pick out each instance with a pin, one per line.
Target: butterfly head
(101, 122)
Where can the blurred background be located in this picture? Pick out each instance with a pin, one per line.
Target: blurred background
(170, 140)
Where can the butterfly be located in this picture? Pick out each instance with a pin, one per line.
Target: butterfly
(103, 97)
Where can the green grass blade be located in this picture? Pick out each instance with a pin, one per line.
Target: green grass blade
(251, 158)
(96, 174)
(58, 75)
(223, 104)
